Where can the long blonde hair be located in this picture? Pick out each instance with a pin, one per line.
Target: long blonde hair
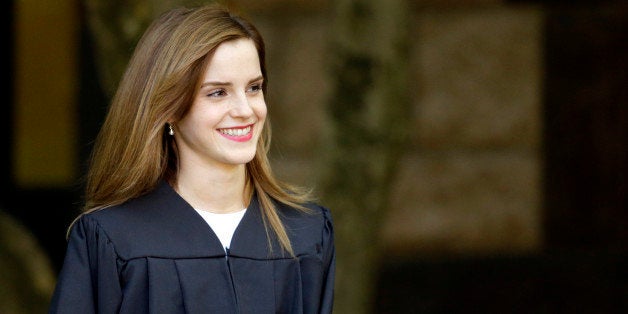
(133, 153)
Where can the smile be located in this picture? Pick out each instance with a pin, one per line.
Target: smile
(237, 134)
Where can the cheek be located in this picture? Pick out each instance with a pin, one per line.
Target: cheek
(260, 111)
(207, 117)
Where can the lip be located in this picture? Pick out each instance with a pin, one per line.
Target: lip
(237, 138)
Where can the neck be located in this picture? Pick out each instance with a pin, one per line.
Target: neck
(214, 190)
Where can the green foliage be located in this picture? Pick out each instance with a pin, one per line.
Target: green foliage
(25, 272)
(369, 113)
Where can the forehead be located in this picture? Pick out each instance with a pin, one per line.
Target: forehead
(234, 57)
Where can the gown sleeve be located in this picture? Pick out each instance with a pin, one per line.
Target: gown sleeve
(88, 281)
(329, 260)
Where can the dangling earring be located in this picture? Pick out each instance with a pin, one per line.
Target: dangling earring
(170, 129)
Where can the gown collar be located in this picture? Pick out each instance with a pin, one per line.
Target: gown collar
(250, 239)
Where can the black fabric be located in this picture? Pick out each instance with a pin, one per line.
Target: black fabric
(156, 254)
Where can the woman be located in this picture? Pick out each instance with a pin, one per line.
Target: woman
(183, 214)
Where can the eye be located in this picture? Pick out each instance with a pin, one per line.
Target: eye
(217, 93)
(257, 87)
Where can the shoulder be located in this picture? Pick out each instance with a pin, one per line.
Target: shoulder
(315, 214)
(131, 214)
(307, 228)
(155, 224)
(118, 224)
(158, 208)
(323, 213)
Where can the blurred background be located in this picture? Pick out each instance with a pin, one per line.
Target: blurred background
(474, 153)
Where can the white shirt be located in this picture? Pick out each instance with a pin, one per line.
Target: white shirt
(223, 225)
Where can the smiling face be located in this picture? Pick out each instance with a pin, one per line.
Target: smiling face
(225, 121)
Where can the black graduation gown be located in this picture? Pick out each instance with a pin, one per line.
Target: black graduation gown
(156, 254)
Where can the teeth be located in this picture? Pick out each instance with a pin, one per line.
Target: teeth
(236, 132)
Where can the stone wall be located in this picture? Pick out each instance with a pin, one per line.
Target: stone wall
(470, 180)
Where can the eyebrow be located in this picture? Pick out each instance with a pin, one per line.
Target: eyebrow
(219, 83)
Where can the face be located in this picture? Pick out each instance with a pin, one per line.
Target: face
(225, 121)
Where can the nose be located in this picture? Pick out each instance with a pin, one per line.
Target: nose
(241, 107)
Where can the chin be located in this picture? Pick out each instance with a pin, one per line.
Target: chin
(243, 159)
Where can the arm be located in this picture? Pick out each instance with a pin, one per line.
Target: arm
(88, 281)
(329, 260)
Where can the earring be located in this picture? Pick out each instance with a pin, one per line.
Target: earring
(170, 129)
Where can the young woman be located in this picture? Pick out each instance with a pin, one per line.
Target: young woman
(182, 213)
